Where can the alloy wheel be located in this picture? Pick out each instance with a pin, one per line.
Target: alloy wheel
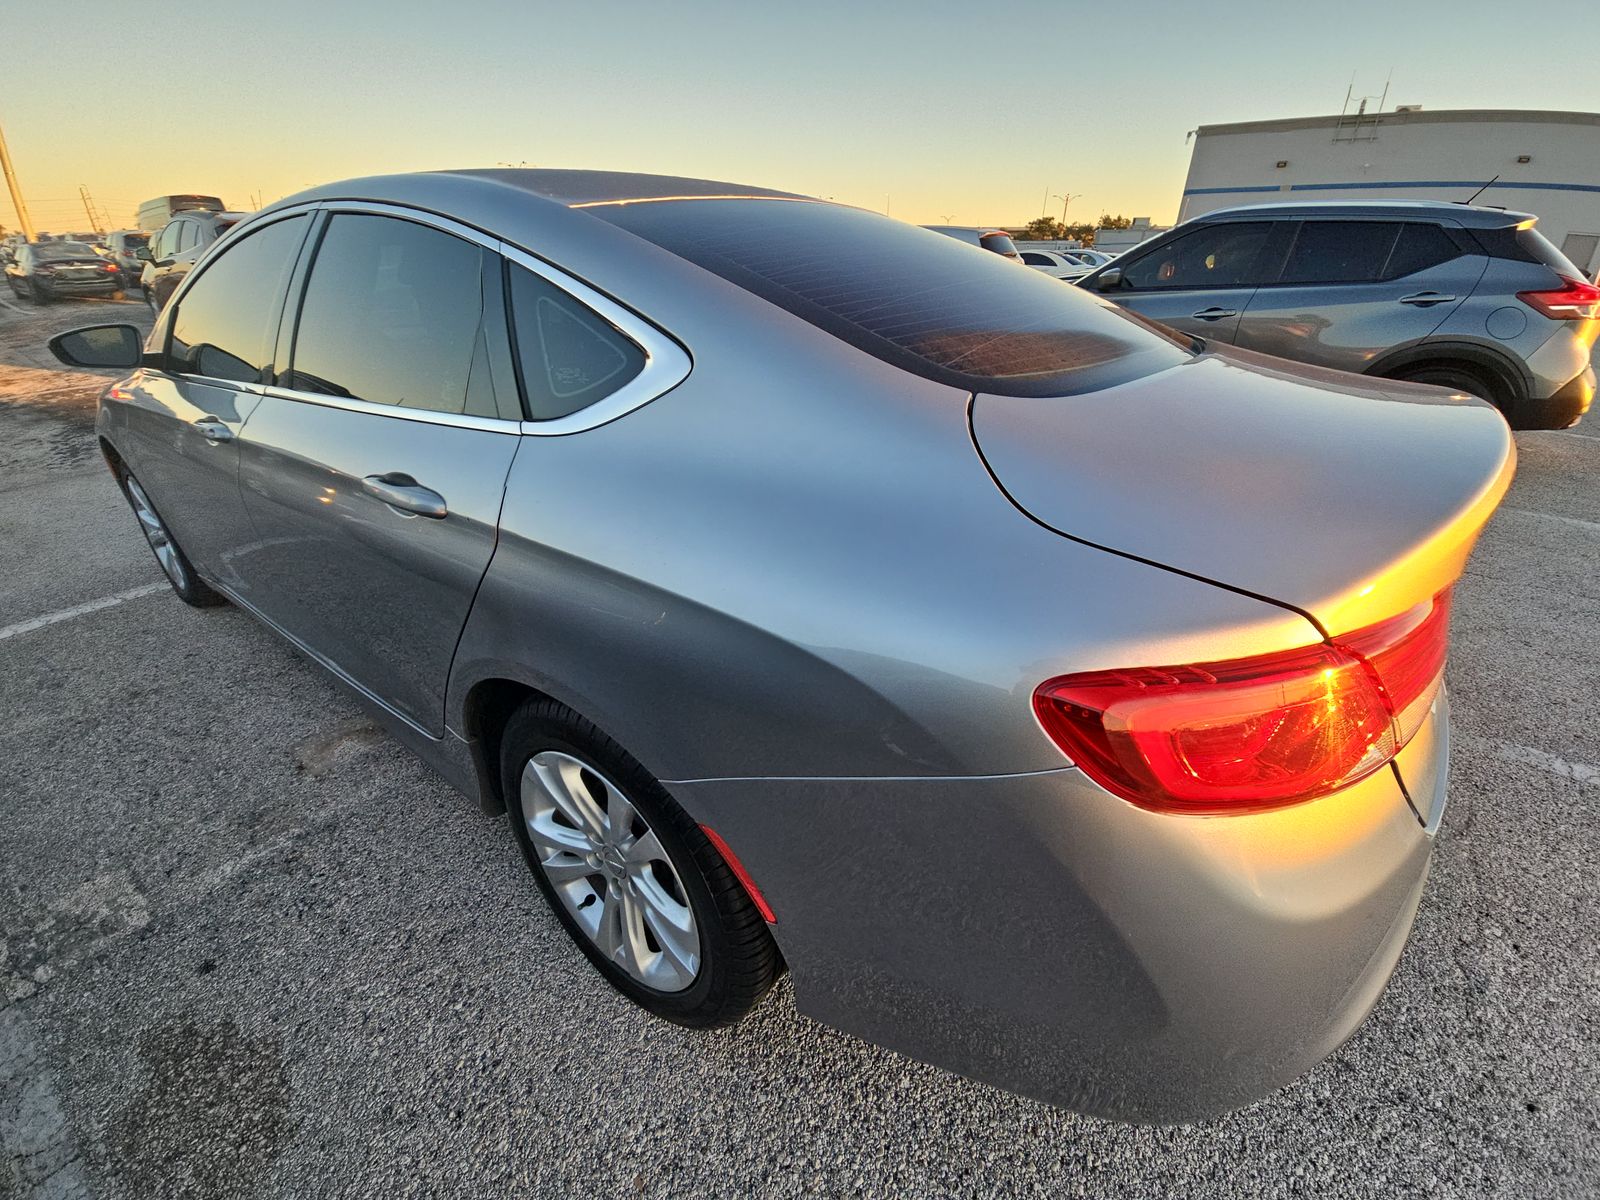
(610, 871)
(156, 533)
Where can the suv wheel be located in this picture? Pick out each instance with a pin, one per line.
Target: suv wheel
(1458, 379)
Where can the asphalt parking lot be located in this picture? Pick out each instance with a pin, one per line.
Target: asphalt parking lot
(253, 948)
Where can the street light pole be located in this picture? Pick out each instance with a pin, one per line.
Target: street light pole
(1066, 200)
(23, 218)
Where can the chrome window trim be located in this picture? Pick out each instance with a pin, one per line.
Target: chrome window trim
(666, 363)
(424, 415)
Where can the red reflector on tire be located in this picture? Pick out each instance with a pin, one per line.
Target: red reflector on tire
(740, 874)
(1257, 733)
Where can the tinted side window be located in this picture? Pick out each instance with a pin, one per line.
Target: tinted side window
(1420, 247)
(188, 235)
(1220, 255)
(1340, 252)
(1036, 260)
(167, 241)
(569, 356)
(227, 321)
(391, 315)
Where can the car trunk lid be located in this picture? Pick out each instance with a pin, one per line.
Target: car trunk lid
(1346, 498)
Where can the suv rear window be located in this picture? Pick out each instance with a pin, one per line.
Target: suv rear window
(1524, 243)
(918, 300)
(998, 243)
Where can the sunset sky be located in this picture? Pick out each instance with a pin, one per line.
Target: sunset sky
(972, 112)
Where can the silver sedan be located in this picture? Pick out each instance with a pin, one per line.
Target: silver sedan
(1059, 699)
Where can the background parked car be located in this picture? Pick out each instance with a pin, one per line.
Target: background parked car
(997, 240)
(52, 270)
(123, 246)
(1473, 299)
(176, 248)
(1056, 264)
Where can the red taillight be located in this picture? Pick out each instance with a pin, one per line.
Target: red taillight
(739, 873)
(1253, 733)
(1575, 300)
(110, 267)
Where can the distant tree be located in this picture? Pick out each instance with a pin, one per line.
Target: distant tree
(1107, 221)
(1044, 229)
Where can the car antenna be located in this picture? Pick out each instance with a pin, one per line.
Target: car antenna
(1480, 191)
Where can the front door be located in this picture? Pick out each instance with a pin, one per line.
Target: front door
(183, 423)
(374, 472)
(1200, 282)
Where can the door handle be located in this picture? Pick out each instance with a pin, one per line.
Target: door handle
(1215, 314)
(399, 490)
(214, 430)
(1424, 299)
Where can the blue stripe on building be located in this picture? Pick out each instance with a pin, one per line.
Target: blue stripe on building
(1368, 185)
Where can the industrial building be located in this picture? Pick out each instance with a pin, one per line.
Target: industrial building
(1545, 163)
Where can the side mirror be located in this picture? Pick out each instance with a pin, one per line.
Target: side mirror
(100, 346)
(142, 253)
(1109, 281)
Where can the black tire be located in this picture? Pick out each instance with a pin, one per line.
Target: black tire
(1457, 379)
(37, 294)
(185, 582)
(739, 961)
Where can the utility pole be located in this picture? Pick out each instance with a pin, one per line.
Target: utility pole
(23, 218)
(88, 207)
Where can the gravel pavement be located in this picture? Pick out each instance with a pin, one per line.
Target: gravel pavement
(253, 948)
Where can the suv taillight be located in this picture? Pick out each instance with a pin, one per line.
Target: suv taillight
(1575, 300)
(1256, 733)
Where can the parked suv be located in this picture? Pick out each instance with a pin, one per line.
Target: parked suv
(1468, 298)
(123, 246)
(997, 240)
(176, 248)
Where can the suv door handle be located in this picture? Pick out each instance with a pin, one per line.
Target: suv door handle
(214, 430)
(1215, 314)
(399, 490)
(1424, 299)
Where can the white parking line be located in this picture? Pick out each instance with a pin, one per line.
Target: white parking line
(1540, 760)
(1576, 522)
(78, 610)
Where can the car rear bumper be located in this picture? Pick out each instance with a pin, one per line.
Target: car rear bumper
(83, 287)
(1562, 408)
(1037, 933)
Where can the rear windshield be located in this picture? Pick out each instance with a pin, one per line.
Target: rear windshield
(926, 303)
(64, 250)
(1524, 243)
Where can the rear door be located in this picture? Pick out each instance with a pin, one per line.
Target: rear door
(374, 468)
(1199, 282)
(1351, 290)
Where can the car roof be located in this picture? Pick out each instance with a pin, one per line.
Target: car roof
(577, 188)
(1465, 214)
